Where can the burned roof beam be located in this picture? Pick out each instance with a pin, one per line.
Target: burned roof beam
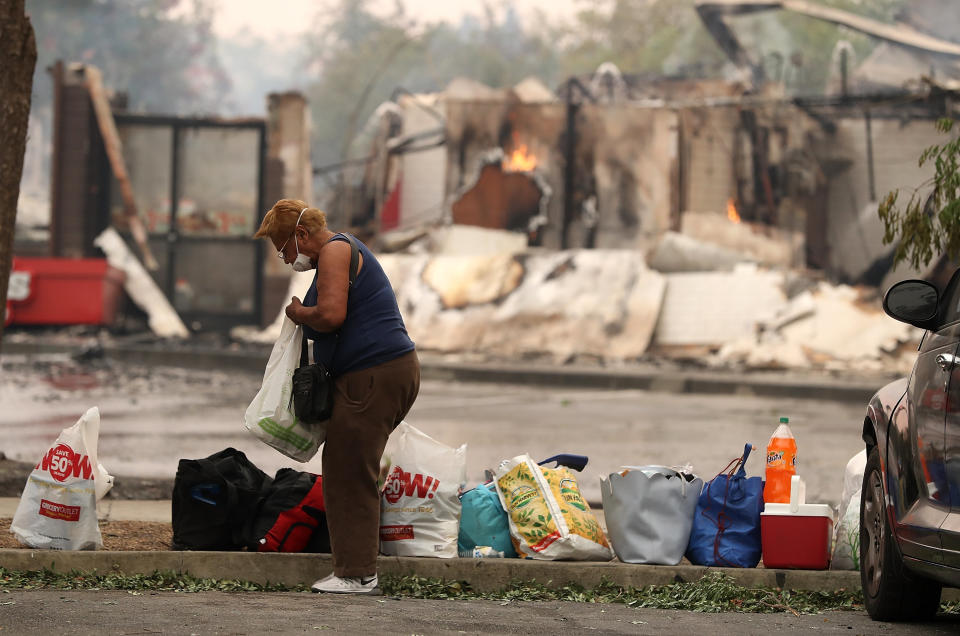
(712, 14)
(900, 34)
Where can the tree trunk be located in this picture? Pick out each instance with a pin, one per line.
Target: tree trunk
(18, 56)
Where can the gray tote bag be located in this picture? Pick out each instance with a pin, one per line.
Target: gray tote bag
(649, 513)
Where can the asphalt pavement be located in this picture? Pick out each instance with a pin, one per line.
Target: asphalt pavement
(81, 612)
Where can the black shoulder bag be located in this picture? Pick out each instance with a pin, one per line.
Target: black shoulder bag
(312, 383)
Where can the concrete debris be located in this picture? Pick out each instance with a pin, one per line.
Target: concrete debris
(583, 302)
(846, 328)
(769, 356)
(470, 240)
(402, 240)
(762, 244)
(713, 308)
(832, 327)
(800, 307)
(681, 253)
(505, 301)
(460, 281)
(162, 317)
(562, 304)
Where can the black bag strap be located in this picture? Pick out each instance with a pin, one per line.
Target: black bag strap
(352, 278)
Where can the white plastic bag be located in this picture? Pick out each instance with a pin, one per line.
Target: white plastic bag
(270, 416)
(420, 503)
(549, 518)
(852, 479)
(58, 507)
(846, 547)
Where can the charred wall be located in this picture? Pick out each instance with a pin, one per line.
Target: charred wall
(475, 128)
(624, 178)
(866, 157)
(634, 152)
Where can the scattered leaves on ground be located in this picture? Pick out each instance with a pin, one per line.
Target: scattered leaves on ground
(715, 592)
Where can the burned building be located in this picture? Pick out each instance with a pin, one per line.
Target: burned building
(615, 160)
(609, 161)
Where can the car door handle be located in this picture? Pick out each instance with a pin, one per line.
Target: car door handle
(946, 361)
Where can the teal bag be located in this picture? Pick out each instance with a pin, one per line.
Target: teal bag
(483, 521)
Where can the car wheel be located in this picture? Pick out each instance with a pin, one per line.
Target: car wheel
(890, 592)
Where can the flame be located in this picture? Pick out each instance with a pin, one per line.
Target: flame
(732, 211)
(520, 160)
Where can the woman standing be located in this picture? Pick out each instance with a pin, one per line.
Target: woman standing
(359, 335)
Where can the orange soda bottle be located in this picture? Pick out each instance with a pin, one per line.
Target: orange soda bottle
(781, 464)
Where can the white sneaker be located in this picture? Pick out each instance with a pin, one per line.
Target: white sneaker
(347, 585)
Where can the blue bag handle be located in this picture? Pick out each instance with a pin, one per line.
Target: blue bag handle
(742, 472)
(576, 462)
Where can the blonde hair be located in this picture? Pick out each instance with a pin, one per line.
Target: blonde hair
(281, 220)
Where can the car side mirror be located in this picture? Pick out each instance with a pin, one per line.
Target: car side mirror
(914, 302)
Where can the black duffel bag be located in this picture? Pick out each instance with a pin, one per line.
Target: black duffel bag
(214, 499)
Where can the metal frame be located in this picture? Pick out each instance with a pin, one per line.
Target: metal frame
(173, 237)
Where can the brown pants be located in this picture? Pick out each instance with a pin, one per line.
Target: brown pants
(367, 406)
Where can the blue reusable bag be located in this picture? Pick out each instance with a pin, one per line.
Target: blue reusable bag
(726, 524)
(483, 521)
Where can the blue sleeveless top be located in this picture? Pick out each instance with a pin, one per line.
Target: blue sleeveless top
(372, 332)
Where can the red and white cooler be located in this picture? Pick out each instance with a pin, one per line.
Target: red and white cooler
(796, 535)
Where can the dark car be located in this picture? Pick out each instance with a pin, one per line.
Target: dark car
(910, 504)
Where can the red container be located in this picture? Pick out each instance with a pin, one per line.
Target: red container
(796, 539)
(63, 291)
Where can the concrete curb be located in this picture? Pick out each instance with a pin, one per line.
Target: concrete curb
(643, 378)
(726, 383)
(483, 575)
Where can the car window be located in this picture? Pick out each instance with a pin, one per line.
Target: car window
(950, 310)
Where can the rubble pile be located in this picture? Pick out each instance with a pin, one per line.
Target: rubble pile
(601, 303)
(833, 327)
(729, 302)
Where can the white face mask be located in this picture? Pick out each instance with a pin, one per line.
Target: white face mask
(302, 262)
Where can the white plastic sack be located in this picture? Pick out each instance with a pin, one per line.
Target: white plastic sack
(846, 549)
(549, 518)
(420, 503)
(846, 533)
(852, 479)
(270, 416)
(58, 507)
